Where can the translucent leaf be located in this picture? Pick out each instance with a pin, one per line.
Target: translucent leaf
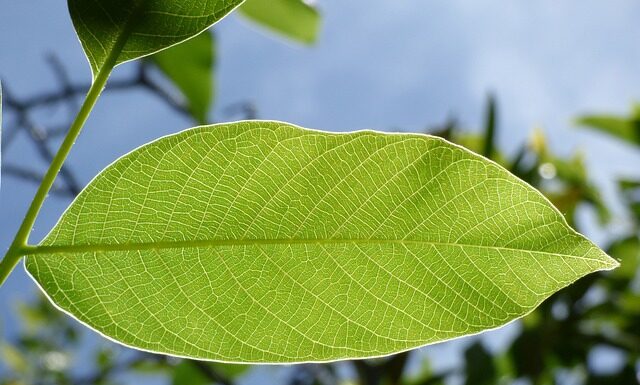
(190, 68)
(266, 242)
(116, 31)
(294, 19)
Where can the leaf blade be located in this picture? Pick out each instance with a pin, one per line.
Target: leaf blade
(123, 30)
(293, 19)
(289, 245)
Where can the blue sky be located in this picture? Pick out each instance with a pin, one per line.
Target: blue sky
(403, 64)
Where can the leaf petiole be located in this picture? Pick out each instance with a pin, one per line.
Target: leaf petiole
(14, 253)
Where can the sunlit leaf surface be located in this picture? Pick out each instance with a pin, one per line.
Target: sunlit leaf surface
(123, 30)
(294, 19)
(266, 242)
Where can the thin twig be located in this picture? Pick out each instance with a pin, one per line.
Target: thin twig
(34, 176)
(39, 138)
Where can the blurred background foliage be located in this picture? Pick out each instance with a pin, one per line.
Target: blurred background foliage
(587, 334)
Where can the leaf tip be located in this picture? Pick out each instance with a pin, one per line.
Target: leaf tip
(611, 263)
(605, 261)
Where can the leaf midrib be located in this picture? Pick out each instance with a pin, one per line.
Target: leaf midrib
(111, 60)
(197, 244)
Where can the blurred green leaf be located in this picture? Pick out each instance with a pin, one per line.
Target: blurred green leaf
(104, 359)
(631, 195)
(627, 251)
(630, 303)
(38, 314)
(150, 367)
(189, 372)
(527, 354)
(13, 358)
(625, 128)
(294, 19)
(186, 373)
(479, 365)
(190, 67)
(566, 181)
(629, 185)
(230, 370)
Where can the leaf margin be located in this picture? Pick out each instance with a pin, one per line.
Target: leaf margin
(610, 265)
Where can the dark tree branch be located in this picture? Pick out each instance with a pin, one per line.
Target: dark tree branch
(245, 109)
(65, 83)
(34, 176)
(39, 139)
(69, 91)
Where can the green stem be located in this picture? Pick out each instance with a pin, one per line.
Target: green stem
(20, 241)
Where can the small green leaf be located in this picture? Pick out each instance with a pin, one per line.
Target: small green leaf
(190, 373)
(190, 67)
(294, 19)
(566, 181)
(266, 242)
(230, 370)
(13, 359)
(116, 31)
(625, 128)
(479, 366)
(626, 250)
(186, 373)
(630, 190)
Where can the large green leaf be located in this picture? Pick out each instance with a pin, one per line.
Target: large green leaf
(190, 67)
(294, 19)
(116, 31)
(265, 242)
